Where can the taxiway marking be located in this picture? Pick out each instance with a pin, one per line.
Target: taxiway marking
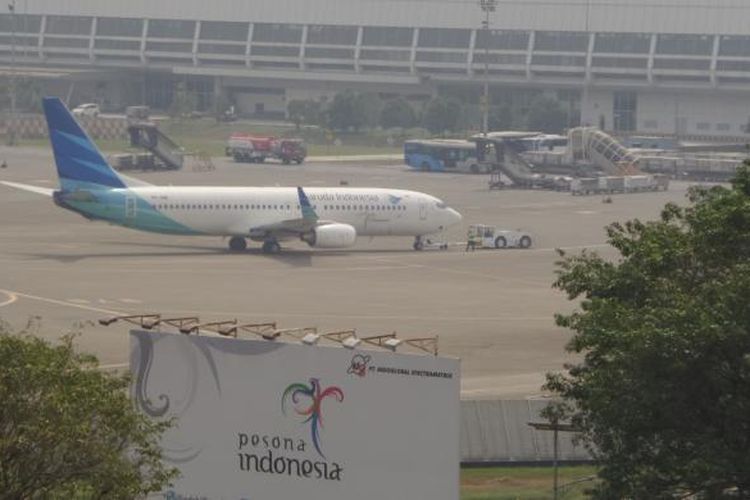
(12, 297)
(57, 302)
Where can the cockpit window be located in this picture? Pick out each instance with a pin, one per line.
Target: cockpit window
(441, 205)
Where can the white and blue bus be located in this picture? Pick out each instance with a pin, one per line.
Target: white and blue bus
(443, 155)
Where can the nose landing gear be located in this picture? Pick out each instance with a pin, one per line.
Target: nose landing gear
(237, 244)
(418, 244)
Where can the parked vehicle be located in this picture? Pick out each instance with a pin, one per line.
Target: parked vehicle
(289, 150)
(247, 148)
(89, 109)
(256, 149)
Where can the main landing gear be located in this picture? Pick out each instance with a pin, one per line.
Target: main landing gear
(418, 243)
(271, 246)
(237, 244)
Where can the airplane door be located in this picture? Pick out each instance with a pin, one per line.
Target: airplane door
(130, 208)
(422, 211)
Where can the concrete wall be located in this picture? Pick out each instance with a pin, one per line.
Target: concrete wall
(250, 103)
(499, 431)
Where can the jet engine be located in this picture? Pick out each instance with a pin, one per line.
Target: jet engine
(331, 236)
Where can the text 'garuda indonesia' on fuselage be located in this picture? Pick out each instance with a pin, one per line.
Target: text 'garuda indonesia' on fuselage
(322, 217)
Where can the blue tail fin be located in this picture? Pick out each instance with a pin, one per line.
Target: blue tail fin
(80, 165)
(308, 212)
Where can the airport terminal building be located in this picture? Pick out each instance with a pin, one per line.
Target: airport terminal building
(653, 66)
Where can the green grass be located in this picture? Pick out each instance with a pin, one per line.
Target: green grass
(108, 146)
(524, 483)
(208, 136)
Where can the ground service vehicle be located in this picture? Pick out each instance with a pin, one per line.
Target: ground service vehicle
(491, 237)
(289, 150)
(256, 149)
(619, 184)
(247, 148)
(443, 155)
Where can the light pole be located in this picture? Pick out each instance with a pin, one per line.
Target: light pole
(487, 6)
(12, 123)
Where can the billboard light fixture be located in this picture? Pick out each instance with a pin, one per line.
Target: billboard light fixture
(380, 340)
(311, 339)
(264, 330)
(340, 336)
(181, 322)
(392, 344)
(309, 335)
(226, 328)
(297, 333)
(145, 321)
(426, 344)
(351, 342)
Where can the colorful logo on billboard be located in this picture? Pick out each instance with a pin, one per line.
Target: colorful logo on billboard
(307, 401)
(358, 365)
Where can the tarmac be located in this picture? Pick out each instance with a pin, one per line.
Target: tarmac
(494, 309)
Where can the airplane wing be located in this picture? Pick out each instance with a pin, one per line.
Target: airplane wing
(30, 188)
(289, 227)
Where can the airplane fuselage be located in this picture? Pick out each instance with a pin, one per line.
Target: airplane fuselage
(235, 211)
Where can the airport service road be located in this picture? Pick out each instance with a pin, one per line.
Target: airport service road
(493, 309)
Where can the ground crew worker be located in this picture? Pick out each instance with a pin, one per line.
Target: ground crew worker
(471, 242)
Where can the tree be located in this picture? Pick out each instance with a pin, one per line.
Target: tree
(347, 110)
(441, 114)
(221, 104)
(397, 113)
(547, 115)
(662, 391)
(304, 112)
(369, 106)
(69, 430)
(500, 118)
(184, 102)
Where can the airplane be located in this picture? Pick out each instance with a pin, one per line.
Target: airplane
(326, 217)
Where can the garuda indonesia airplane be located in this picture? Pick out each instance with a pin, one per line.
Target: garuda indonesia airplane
(321, 217)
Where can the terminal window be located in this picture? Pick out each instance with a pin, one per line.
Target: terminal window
(625, 109)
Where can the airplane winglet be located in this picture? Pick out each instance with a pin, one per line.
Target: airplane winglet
(308, 213)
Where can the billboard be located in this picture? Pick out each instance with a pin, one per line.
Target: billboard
(261, 420)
